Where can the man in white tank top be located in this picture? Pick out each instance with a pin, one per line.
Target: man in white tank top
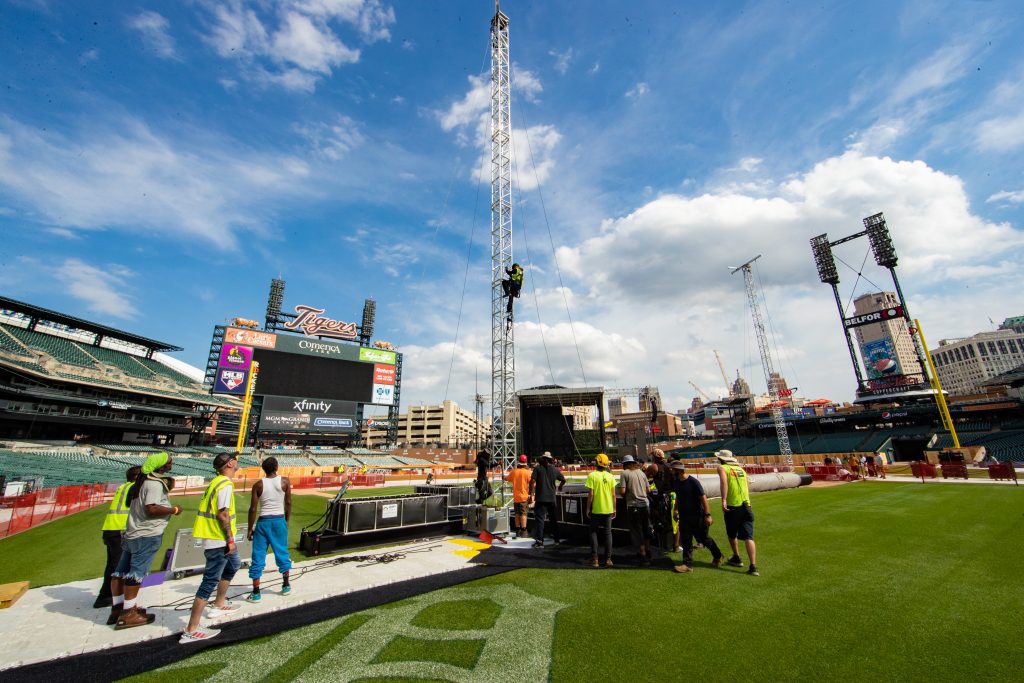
(272, 498)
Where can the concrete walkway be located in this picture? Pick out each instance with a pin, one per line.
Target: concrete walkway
(52, 622)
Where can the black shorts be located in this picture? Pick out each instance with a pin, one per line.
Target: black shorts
(739, 523)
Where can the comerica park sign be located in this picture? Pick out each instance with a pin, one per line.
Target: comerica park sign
(310, 322)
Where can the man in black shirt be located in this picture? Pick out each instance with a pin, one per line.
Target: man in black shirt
(661, 515)
(483, 486)
(542, 495)
(694, 518)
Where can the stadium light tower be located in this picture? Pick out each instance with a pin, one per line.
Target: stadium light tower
(766, 360)
(503, 369)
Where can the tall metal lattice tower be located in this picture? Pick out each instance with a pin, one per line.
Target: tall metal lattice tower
(766, 361)
(503, 368)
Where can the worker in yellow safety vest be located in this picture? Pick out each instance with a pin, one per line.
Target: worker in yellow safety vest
(114, 523)
(215, 524)
(512, 286)
(739, 518)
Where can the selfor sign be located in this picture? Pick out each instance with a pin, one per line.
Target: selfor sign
(873, 317)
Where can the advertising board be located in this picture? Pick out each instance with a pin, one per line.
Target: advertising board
(300, 414)
(239, 335)
(235, 356)
(880, 358)
(230, 381)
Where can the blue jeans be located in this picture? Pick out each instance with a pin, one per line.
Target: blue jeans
(219, 567)
(136, 558)
(273, 532)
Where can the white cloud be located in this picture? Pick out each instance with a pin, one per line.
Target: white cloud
(64, 233)
(89, 56)
(153, 27)
(533, 148)
(309, 46)
(664, 269)
(101, 288)
(125, 176)
(637, 91)
(562, 59)
(294, 43)
(1001, 134)
(332, 140)
(1016, 197)
(939, 70)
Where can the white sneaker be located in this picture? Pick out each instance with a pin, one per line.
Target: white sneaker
(229, 608)
(198, 635)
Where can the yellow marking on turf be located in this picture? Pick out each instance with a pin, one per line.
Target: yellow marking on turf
(469, 543)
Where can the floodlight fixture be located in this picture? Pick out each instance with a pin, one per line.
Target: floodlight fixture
(824, 260)
(274, 303)
(369, 314)
(881, 243)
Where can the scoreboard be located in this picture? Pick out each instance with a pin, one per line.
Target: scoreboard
(308, 384)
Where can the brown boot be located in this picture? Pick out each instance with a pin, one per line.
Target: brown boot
(130, 618)
(115, 613)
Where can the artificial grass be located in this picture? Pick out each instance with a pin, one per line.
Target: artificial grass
(859, 582)
(71, 548)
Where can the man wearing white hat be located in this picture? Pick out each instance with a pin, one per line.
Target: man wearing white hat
(739, 518)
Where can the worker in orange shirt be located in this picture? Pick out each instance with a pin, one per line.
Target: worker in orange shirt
(520, 478)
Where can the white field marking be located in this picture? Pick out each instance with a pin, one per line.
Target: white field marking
(517, 647)
(253, 660)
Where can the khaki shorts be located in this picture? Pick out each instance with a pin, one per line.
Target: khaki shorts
(521, 509)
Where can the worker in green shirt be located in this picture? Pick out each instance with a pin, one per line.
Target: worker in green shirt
(601, 508)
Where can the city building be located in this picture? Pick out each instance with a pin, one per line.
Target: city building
(1015, 323)
(885, 340)
(963, 364)
(446, 424)
(616, 406)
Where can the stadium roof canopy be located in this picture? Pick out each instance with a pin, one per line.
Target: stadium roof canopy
(1011, 378)
(551, 395)
(39, 313)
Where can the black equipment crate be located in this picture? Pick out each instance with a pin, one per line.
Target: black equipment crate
(365, 515)
(458, 494)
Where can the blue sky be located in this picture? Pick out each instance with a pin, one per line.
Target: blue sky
(161, 162)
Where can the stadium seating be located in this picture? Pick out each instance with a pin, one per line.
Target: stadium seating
(125, 362)
(64, 350)
(8, 342)
(334, 461)
(159, 368)
(291, 460)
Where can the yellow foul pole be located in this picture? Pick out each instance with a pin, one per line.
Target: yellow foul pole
(933, 378)
(243, 425)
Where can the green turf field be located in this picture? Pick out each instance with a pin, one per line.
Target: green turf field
(71, 549)
(866, 581)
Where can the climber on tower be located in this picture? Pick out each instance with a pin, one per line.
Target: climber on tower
(512, 286)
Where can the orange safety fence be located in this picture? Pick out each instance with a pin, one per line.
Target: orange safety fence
(18, 513)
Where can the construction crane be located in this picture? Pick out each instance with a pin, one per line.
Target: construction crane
(766, 360)
(721, 367)
(701, 391)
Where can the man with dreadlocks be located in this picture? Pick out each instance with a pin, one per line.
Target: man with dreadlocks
(149, 511)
